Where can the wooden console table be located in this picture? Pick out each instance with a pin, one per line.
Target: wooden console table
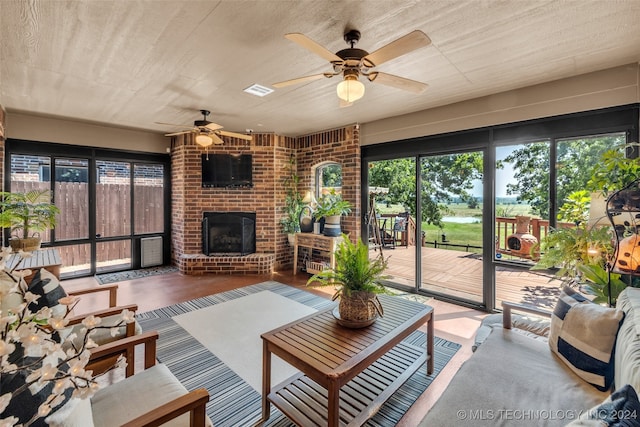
(371, 363)
(315, 241)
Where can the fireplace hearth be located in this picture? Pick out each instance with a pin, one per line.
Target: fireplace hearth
(229, 233)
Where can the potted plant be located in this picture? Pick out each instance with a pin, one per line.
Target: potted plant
(331, 207)
(293, 201)
(580, 253)
(358, 281)
(26, 214)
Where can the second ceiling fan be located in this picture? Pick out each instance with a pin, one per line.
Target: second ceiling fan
(353, 62)
(208, 133)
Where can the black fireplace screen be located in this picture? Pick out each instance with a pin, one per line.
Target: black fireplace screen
(229, 233)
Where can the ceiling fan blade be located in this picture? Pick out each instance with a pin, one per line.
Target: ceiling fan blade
(178, 133)
(298, 80)
(213, 126)
(216, 139)
(314, 47)
(235, 135)
(397, 82)
(405, 44)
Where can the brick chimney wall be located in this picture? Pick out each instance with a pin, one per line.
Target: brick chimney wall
(270, 156)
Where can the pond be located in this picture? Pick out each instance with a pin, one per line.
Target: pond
(461, 219)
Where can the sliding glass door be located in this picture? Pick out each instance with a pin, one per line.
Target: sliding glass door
(392, 217)
(451, 201)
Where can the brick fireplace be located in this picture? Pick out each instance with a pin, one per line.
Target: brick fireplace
(271, 153)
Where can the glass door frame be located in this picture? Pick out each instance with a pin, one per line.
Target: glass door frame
(462, 142)
(92, 154)
(625, 118)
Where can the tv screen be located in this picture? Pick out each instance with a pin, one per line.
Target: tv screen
(227, 170)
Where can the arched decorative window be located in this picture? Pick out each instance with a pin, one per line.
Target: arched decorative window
(328, 176)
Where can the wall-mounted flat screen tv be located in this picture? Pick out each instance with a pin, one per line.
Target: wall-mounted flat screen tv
(227, 170)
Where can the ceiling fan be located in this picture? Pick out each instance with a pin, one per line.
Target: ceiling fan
(207, 132)
(353, 62)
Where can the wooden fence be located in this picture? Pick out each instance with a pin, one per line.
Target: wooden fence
(113, 217)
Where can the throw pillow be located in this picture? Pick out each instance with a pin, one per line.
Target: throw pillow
(24, 405)
(47, 285)
(583, 335)
(621, 409)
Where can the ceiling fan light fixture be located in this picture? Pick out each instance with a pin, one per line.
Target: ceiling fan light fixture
(204, 140)
(350, 89)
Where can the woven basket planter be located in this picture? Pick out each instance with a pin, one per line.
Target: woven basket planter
(29, 244)
(360, 308)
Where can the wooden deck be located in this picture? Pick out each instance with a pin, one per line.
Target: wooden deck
(459, 274)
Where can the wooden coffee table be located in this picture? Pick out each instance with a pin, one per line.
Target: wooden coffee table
(346, 374)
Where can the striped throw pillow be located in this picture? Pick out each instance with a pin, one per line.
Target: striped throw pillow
(48, 287)
(583, 335)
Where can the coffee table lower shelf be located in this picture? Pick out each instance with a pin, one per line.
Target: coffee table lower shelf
(305, 402)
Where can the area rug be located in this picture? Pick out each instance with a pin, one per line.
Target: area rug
(185, 346)
(120, 276)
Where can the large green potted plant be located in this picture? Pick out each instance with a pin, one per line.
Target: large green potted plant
(358, 280)
(331, 207)
(27, 214)
(290, 222)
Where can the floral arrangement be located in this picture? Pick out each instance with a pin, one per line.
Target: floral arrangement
(31, 347)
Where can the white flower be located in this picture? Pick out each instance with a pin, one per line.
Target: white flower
(8, 422)
(62, 385)
(128, 316)
(91, 321)
(58, 323)
(48, 372)
(6, 348)
(30, 297)
(44, 410)
(76, 368)
(4, 401)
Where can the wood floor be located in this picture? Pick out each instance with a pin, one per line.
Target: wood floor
(459, 273)
(452, 322)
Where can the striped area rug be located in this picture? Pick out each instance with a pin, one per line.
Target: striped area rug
(235, 403)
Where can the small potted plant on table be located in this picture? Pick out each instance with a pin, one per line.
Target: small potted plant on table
(331, 207)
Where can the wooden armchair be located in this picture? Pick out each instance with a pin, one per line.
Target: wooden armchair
(110, 316)
(50, 290)
(152, 397)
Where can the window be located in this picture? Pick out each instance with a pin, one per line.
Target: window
(328, 177)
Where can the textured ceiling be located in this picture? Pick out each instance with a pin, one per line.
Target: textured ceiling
(134, 63)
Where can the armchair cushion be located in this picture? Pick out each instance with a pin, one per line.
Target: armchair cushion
(75, 413)
(127, 399)
(583, 335)
(48, 287)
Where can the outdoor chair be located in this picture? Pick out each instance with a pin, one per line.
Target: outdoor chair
(400, 230)
(152, 397)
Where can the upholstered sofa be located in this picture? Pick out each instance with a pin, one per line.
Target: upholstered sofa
(515, 379)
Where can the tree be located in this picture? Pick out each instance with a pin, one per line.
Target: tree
(443, 178)
(575, 159)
